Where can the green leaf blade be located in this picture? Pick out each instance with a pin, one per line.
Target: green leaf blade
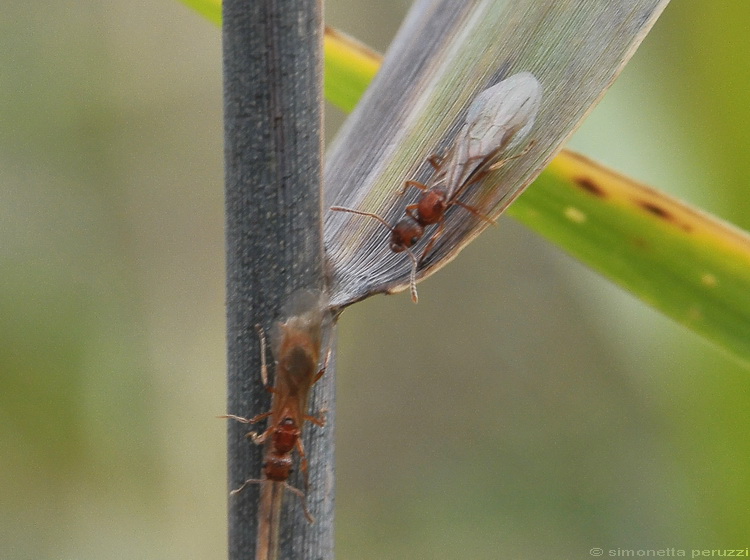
(691, 266)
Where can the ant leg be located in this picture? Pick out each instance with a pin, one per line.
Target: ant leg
(244, 485)
(476, 212)
(258, 439)
(415, 184)
(499, 164)
(317, 420)
(252, 420)
(320, 421)
(433, 239)
(302, 461)
(259, 417)
(288, 486)
(303, 499)
(323, 369)
(264, 376)
(436, 161)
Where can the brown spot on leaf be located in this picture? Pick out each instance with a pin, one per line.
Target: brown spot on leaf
(590, 186)
(662, 213)
(655, 210)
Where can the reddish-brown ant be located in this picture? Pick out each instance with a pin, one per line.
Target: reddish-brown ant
(296, 345)
(498, 119)
(429, 209)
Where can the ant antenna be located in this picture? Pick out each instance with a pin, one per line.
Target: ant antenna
(361, 213)
(413, 277)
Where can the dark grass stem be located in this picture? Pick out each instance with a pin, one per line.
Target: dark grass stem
(272, 55)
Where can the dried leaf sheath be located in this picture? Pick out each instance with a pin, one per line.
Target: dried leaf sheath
(443, 56)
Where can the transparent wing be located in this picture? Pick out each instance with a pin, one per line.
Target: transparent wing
(498, 120)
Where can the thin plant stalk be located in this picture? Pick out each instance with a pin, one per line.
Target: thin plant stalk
(272, 55)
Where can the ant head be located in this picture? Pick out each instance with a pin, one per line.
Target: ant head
(405, 234)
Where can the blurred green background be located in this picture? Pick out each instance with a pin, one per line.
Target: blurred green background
(525, 408)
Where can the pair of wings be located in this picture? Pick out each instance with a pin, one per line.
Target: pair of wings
(498, 120)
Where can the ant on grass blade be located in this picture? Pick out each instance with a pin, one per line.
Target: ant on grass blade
(296, 344)
(498, 119)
